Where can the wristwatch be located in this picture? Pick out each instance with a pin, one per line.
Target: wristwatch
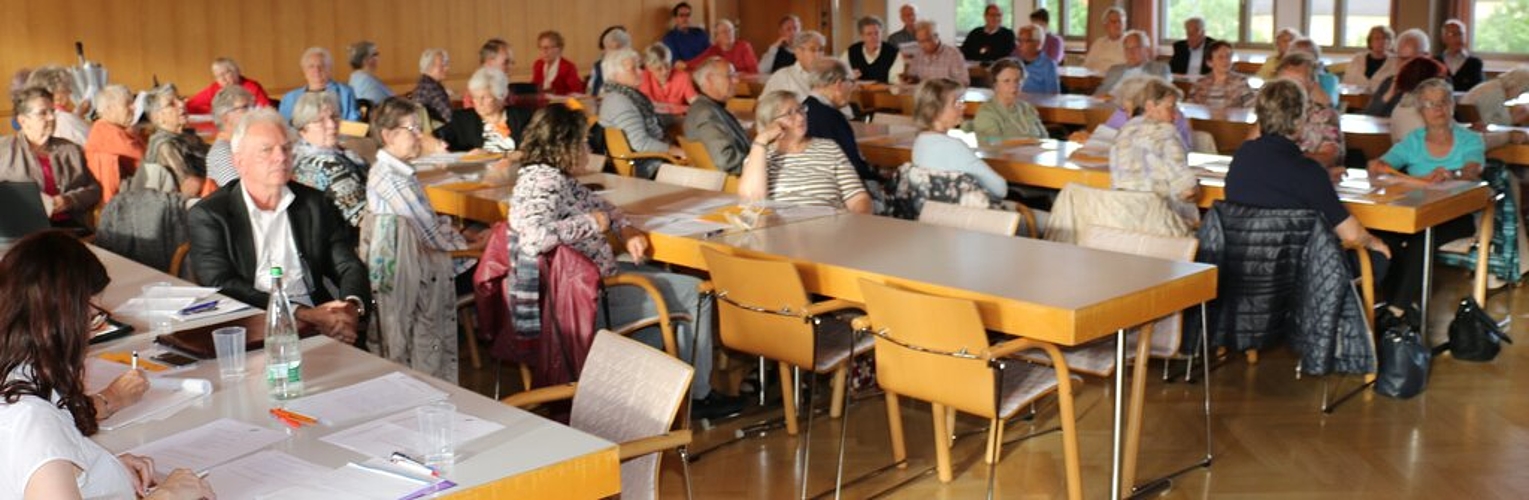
(360, 304)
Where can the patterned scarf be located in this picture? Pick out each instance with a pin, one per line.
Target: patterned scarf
(345, 157)
(644, 105)
(525, 291)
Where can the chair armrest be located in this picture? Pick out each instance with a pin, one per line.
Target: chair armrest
(820, 308)
(541, 395)
(706, 287)
(467, 253)
(652, 444)
(1029, 217)
(646, 156)
(1010, 347)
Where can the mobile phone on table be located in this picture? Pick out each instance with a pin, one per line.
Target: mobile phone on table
(173, 359)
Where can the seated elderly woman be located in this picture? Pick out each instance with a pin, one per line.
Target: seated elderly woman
(46, 417)
(68, 123)
(421, 329)
(318, 160)
(1491, 96)
(430, 92)
(662, 82)
(183, 155)
(225, 73)
(1271, 171)
(627, 109)
(785, 165)
(552, 208)
(937, 108)
(1328, 82)
(490, 126)
(1223, 87)
(1408, 117)
(1282, 41)
(614, 38)
(1148, 155)
(1439, 151)
(552, 73)
(56, 165)
(227, 108)
(1368, 68)
(113, 151)
(1127, 96)
(1319, 135)
(1006, 116)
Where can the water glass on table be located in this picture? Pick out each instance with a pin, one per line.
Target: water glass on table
(437, 422)
(229, 343)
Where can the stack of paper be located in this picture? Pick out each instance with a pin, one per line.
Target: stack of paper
(208, 446)
(250, 477)
(166, 396)
(400, 433)
(383, 395)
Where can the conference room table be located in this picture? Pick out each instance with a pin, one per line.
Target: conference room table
(531, 457)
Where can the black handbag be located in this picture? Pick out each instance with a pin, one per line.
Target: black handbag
(1404, 362)
(1473, 335)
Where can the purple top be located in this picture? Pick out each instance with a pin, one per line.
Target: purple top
(1053, 48)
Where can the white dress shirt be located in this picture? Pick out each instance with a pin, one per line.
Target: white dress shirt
(275, 246)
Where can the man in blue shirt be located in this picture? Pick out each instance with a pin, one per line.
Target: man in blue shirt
(1040, 71)
(684, 41)
(318, 71)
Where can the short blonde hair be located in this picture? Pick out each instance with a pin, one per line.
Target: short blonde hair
(1280, 106)
(772, 105)
(657, 54)
(930, 98)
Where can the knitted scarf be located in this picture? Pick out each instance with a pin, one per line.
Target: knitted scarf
(644, 105)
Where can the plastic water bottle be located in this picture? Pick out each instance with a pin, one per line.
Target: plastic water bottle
(284, 359)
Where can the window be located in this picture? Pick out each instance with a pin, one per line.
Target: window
(1260, 21)
(1499, 26)
(1345, 23)
(1074, 16)
(1359, 16)
(969, 15)
(1321, 25)
(1212, 11)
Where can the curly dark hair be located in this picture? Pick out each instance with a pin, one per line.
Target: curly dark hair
(47, 280)
(556, 136)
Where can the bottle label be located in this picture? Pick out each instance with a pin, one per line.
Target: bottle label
(276, 373)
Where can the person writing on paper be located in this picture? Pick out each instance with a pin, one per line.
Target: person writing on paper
(263, 219)
(785, 165)
(1149, 156)
(552, 208)
(48, 280)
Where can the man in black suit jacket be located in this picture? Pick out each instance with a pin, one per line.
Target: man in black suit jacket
(263, 220)
(1195, 40)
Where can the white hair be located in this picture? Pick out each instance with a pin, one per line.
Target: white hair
(1114, 10)
(927, 25)
(614, 63)
(808, 36)
(427, 58)
(225, 63)
(1200, 21)
(255, 117)
(711, 65)
(1146, 41)
(657, 54)
(111, 95)
(718, 26)
(1036, 32)
(319, 51)
(1418, 36)
(492, 80)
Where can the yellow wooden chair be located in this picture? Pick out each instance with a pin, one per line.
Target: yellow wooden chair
(764, 310)
(935, 349)
(709, 180)
(700, 158)
(738, 105)
(1001, 222)
(624, 158)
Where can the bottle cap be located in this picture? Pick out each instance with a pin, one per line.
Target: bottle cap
(275, 271)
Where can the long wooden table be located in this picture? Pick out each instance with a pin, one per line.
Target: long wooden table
(530, 458)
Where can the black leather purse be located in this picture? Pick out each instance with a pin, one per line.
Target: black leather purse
(1473, 335)
(1404, 362)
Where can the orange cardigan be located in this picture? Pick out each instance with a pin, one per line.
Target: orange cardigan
(112, 153)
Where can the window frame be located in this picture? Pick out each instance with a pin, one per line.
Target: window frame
(1470, 21)
(1340, 22)
(1244, 22)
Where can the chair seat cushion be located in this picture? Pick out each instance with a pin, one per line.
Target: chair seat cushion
(834, 336)
(1023, 383)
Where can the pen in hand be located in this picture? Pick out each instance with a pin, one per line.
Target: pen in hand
(135, 360)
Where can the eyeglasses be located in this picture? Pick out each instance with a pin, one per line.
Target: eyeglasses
(1432, 104)
(412, 128)
(97, 317)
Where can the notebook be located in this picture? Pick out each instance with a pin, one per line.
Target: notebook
(21, 202)
(198, 341)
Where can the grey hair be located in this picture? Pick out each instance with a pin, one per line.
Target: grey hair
(1297, 60)
(1295, 34)
(427, 58)
(869, 21)
(52, 77)
(1309, 45)
(1515, 79)
(113, 94)
(1418, 36)
(707, 67)
(1280, 106)
(723, 22)
(319, 51)
(1114, 10)
(1129, 91)
(359, 51)
(808, 36)
(159, 98)
(227, 98)
(310, 107)
(771, 106)
(1197, 20)
(830, 71)
(1465, 32)
(614, 62)
(255, 117)
(1146, 41)
(657, 54)
(1036, 32)
(226, 63)
(620, 36)
(929, 25)
(492, 80)
(1412, 98)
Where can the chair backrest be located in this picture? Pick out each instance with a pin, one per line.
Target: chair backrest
(892, 119)
(971, 218)
(354, 129)
(628, 391)
(144, 225)
(1080, 206)
(741, 104)
(923, 329)
(620, 150)
(696, 152)
(1166, 334)
(365, 146)
(760, 306)
(710, 180)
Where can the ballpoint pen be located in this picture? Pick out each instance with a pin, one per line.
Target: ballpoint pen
(400, 459)
(135, 360)
(200, 308)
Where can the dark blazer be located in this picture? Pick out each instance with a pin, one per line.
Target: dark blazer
(465, 131)
(709, 123)
(1180, 61)
(827, 122)
(1470, 74)
(223, 246)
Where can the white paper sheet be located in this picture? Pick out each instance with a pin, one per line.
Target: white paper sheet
(689, 226)
(165, 397)
(383, 395)
(225, 306)
(147, 305)
(347, 483)
(99, 373)
(251, 476)
(695, 206)
(179, 292)
(208, 446)
(400, 432)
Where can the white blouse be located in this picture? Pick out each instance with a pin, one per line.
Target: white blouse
(36, 432)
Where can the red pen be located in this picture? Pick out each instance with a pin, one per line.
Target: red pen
(284, 419)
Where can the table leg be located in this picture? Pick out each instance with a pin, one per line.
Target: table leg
(1483, 253)
(1138, 401)
(1427, 282)
(1120, 385)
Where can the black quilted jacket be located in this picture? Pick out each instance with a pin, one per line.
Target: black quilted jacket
(1283, 274)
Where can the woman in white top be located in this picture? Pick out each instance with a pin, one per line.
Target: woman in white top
(937, 108)
(48, 280)
(1368, 68)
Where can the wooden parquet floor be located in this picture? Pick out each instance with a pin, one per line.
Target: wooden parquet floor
(1466, 437)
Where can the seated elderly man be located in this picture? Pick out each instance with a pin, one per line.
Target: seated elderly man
(318, 73)
(1040, 70)
(627, 109)
(264, 220)
(228, 108)
(934, 59)
(797, 78)
(725, 44)
(225, 73)
(1139, 61)
(1191, 56)
(708, 121)
(992, 40)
